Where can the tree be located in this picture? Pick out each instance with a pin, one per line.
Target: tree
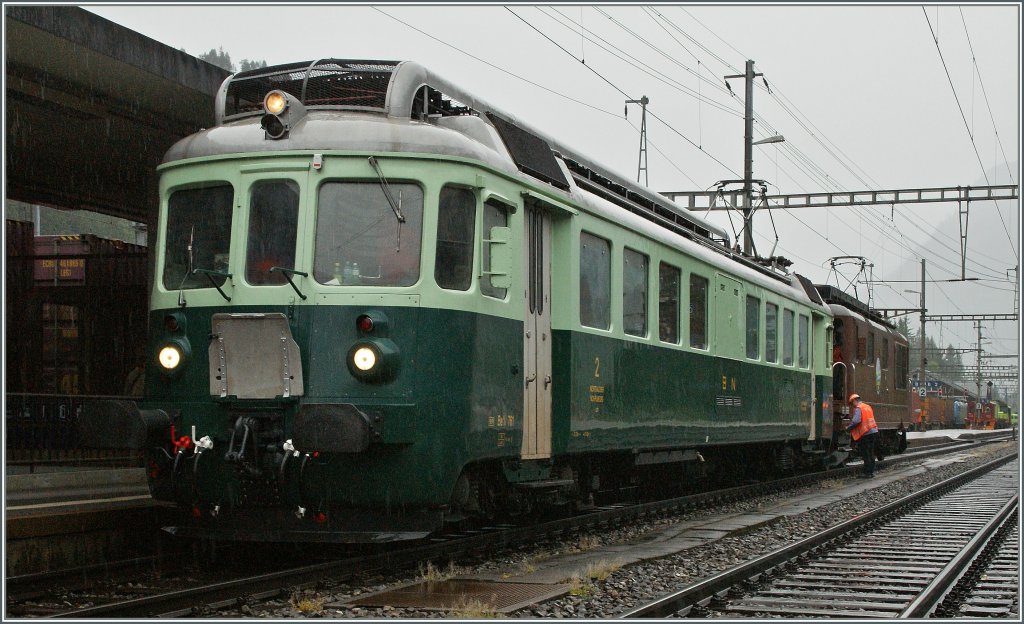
(222, 59)
(219, 57)
(247, 65)
(903, 327)
(953, 362)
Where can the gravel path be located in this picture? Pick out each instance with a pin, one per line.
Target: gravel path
(616, 590)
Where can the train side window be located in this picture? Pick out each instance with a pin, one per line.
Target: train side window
(495, 215)
(829, 351)
(634, 293)
(595, 281)
(668, 303)
(698, 312)
(273, 221)
(837, 345)
(456, 223)
(902, 367)
(771, 332)
(885, 353)
(788, 317)
(871, 347)
(803, 338)
(359, 240)
(204, 247)
(753, 327)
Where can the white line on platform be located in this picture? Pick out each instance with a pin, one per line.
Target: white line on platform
(118, 499)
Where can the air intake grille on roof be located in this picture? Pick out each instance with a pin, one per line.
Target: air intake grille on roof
(329, 82)
(809, 288)
(530, 152)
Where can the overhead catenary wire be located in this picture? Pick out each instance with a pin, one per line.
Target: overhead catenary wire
(984, 92)
(792, 153)
(809, 165)
(787, 105)
(815, 133)
(827, 144)
(637, 64)
(622, 92)
(559, 46)
(501, 69)
(803, 224)
(974, 145)
(654, 115)
(828, 181)
(670, 161)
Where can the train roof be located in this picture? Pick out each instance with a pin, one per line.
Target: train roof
(839, 299)
(408, 96)
(400, 106)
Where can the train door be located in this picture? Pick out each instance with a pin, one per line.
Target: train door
(729, 330)
(816, 320)
(537, 335)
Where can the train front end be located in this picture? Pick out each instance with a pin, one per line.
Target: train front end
(291, 391)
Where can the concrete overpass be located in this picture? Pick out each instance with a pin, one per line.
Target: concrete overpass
(91, 108)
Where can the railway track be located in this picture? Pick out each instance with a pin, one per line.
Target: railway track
(210, 597)
(912, 558)
(990, 586)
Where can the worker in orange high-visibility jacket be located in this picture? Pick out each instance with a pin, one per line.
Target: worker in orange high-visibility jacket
(864, 431)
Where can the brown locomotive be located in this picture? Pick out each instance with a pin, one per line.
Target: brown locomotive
(871, 358)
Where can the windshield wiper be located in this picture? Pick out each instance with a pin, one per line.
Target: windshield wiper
(384, 186)
(188, 269)
(210, 274)
(288, 276)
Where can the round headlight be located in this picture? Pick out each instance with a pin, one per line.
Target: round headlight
(273, 126)
(275, 102)
(169, 357)
(364, 358)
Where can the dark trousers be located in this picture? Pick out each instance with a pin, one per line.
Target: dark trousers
(866, 444)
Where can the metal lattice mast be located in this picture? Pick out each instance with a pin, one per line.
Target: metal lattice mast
(641, 166)
(924, 360)
(978, 374)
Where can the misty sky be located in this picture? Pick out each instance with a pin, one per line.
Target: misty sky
(860, 93)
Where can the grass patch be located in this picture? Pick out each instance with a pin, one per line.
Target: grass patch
(432, 574)
(307, 604)
(601, 570)
(526, 566)
(473, 609)
(585, 584)
(580, 587)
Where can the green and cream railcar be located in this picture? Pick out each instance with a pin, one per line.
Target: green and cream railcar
(380, 304)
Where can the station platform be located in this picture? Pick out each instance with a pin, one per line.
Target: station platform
(60, 517)
(936, 436)
(60, 488)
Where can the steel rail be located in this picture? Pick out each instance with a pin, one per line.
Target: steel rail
(183, 602)
(703, 591)
(27, 586)
(935, 592)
